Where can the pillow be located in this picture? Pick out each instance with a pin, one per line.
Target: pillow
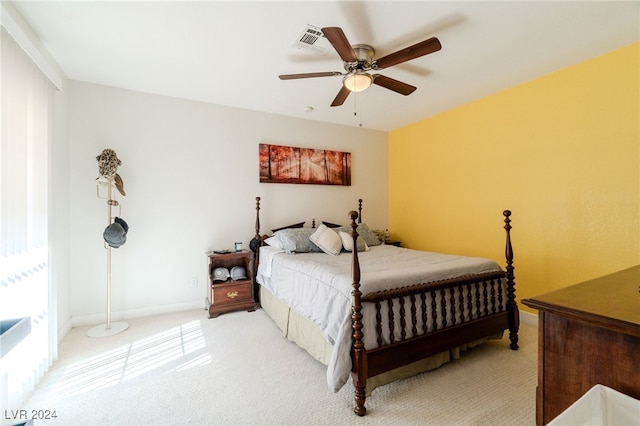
(274, 242)
(368, 235)
(296, 240)
(365, 232)
(347, 242)
(327, 239)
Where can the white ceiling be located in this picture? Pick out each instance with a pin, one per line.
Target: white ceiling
(231, 53)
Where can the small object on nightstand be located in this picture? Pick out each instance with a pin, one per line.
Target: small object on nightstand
(233, 290)
(387, 236)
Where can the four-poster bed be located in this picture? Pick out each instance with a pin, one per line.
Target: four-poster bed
(380, 313)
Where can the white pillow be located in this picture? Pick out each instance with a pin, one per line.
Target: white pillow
(347, 242)
(274, 242)
(327, 239)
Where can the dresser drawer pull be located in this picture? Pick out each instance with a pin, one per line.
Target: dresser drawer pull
(232, 294)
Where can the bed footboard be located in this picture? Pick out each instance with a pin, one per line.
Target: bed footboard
(414, 322)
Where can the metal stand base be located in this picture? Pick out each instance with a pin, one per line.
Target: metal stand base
(103, 331)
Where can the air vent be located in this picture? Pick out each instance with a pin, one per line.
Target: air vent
(313, 40)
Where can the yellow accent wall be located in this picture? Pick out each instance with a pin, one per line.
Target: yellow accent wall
(562, 152)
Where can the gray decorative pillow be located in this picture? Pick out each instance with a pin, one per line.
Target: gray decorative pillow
(365, 232)
(296, 240)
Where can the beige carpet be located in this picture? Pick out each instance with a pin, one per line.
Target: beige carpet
(186, 369)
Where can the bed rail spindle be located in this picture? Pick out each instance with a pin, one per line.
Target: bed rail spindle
(477, 298)
(452, 302)
(392, 328)
(485, 297)
(358, 352)
(423, 305)
(414, 316)
(492, 284)
(443, 302)
(434, 310)
(461, 302)
(403, 320)
(469, 302)
(379, 323)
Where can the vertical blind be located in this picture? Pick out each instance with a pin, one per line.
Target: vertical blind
(27, 99)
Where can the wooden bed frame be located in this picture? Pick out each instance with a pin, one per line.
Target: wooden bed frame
(371, 362)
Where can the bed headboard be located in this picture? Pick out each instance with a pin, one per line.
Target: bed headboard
(259, 238)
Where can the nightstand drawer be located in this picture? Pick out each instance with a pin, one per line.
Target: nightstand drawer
(232, 292)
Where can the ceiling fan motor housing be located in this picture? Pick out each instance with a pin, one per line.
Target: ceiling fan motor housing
(365, 54)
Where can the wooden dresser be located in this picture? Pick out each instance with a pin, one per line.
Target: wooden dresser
(589, 334)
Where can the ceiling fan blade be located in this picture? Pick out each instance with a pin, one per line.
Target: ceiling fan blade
(309, 75)
(395, 85)
(420, 49)
(339, 41)
(341, 97)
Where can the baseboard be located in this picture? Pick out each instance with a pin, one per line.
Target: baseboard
(528, 318)
(94, 319)
(64, 330)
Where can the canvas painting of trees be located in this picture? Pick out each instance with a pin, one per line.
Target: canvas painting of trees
(287, 164)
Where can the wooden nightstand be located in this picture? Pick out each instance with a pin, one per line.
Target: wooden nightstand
(231, 295)
(393, 243)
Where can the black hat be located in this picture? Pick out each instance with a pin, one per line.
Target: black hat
(122, 223)
(116, 233)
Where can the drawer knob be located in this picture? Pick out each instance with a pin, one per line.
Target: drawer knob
(232, 294)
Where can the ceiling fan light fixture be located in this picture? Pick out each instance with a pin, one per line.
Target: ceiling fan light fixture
(357, 81)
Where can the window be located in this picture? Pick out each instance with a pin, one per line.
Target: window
(27, 97)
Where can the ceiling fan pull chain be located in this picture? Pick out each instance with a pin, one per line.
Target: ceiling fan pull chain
(355, 108)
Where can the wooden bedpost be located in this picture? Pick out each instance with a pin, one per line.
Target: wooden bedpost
(358, 353)
(512, 306)
(254, 245)
(360, 210)
(256, 242)
(257, 218)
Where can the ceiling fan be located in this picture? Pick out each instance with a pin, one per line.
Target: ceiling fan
(358, 61)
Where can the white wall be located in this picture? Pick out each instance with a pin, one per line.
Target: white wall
(190, 171)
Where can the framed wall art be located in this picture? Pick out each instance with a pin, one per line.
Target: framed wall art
(287, 164)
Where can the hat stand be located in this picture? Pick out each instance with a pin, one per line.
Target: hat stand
(109, 328)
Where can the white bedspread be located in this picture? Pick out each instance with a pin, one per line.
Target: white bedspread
(319, 286)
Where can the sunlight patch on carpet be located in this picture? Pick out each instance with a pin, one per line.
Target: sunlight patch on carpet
(184, 345)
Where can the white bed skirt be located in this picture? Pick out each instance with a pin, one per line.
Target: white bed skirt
(309, 337)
